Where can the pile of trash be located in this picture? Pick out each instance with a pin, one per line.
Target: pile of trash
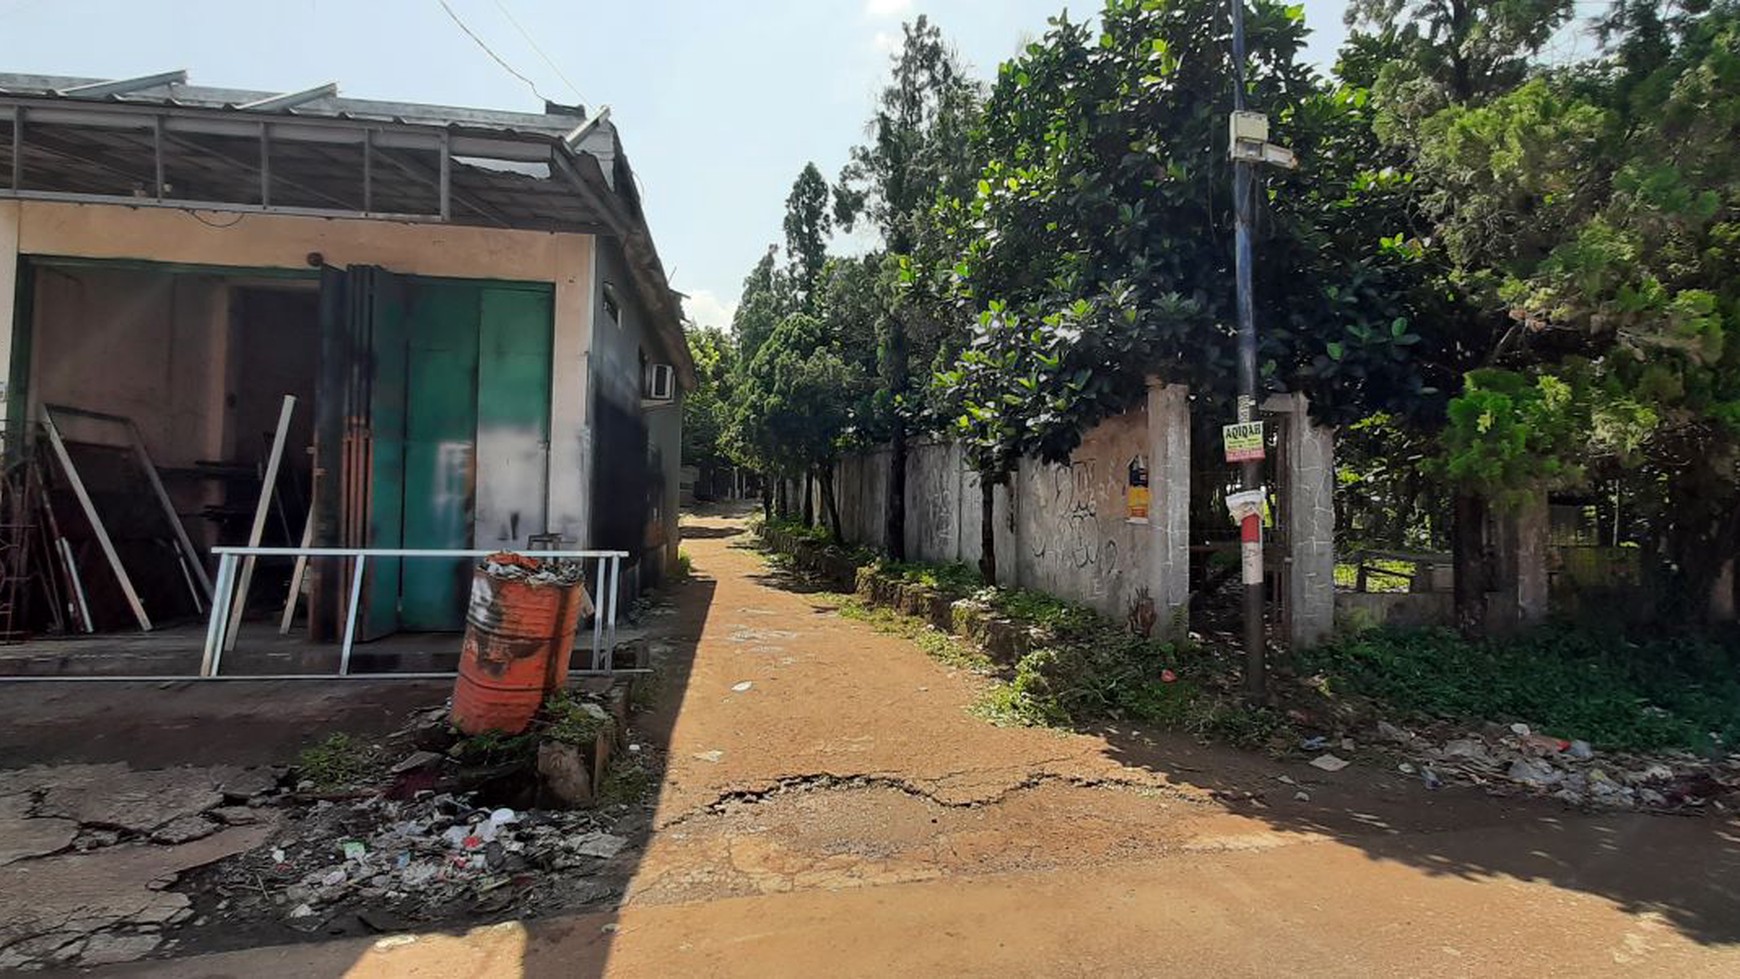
(390, 864)
(1516, 756)
(509, 566)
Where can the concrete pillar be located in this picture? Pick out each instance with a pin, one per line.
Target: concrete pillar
(569, 508)
(1309, 485)
(1168, 449)
(8, 294)
(1519, 545)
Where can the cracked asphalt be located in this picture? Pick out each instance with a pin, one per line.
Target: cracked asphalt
(830, 807)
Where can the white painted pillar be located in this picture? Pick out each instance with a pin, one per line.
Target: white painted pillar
(1168, 449)
(570, 453)
(8, 295)
(1310, 507)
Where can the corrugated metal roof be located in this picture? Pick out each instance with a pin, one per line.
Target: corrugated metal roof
(182, 95)
(158, 140)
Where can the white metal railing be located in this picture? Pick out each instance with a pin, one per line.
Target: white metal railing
(226, 605)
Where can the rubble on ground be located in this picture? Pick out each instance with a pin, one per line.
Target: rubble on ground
(101, 864)
(88, 854)
(1517, 758)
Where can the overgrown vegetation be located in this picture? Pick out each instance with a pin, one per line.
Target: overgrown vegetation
(1614, 693)
(1083, 669)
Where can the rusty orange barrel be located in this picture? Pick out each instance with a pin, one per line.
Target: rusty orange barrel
(578, 606)
(512, 626)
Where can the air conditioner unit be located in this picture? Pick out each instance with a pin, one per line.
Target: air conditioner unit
(661, 382)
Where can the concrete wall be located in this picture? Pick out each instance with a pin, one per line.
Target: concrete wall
(1062, 529)
(145, 345)
(1068, 530)
(285, 242)
(621, 343)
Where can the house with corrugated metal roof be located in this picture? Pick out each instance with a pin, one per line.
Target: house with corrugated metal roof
(458, 315)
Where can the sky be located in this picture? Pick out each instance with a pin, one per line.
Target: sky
(719, 104)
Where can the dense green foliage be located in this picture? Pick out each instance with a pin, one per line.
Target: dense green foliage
(1500, 278)
(1659, 693)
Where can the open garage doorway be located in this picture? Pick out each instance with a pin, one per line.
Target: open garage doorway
(192, 366)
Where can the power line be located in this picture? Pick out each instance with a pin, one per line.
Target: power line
(529, 40)
(498, 59)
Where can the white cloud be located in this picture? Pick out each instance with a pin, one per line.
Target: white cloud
(885, 42)
(887, 8)
(707, 309)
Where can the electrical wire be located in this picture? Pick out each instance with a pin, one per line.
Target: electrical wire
(498, 59)
(505, 12)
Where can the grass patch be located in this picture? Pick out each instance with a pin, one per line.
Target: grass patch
(1617, 694)
(1347, 576)
(939, 645)
(685, 565)
(340, 761)
(816, 540)
(1087, 668)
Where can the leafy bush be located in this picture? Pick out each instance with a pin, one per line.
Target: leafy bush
(1615, 693)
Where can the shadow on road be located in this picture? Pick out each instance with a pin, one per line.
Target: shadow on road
(1683, 869)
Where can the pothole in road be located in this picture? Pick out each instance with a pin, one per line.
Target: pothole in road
(843, 832)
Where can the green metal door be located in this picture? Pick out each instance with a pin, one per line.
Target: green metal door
(440, 451)
(513, 414)
(378, 299)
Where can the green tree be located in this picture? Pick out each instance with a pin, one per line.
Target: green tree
(918, 149)
(706, 408)
(1099, 231)
(808, 224)
(794, 404)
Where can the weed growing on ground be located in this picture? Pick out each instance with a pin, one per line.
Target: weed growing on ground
(573, 720)
(626, 781)
(644, 690)
(337, 762)
(954, 580)
(685, 565)
(495, 748)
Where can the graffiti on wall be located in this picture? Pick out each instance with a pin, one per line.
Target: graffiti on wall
(1070, 532)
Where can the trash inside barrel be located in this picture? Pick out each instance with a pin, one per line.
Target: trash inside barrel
(519, 625)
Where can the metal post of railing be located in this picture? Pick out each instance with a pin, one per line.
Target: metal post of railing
(610, 637)
(598, 613)
(214, 631)
(356, 583)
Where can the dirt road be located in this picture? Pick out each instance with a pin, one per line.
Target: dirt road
(831, 808)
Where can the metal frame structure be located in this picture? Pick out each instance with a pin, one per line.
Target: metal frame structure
(96, 521)
(193, 565)
(223, 622)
